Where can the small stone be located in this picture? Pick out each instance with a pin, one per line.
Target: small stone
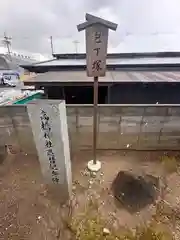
(93, 174)
(86, 173)
(90, 182)
(58, 232)
(106, 231)
(39, 217)
(44, 193)
(128, 145)
(76, 182)
(101, 174)
(73, 187)
(113, 214)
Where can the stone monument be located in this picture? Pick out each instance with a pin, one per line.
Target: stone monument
(49, 126)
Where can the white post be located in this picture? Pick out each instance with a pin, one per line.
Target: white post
(49, 126)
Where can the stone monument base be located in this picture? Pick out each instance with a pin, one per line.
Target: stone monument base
(94, 167)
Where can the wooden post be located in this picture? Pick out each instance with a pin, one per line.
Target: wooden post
(96, 53)
(95, 113)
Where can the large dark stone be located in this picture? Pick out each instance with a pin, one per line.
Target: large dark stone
(135, 192)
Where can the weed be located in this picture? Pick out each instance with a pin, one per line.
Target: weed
(89, 226)
(170, 163)
(92, 229)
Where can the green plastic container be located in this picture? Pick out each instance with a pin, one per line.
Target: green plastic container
(29, 99)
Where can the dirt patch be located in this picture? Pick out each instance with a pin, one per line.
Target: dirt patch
(29, 211)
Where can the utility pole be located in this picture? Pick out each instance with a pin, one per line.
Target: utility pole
(76, 45)
(52, 47)
(7, 42)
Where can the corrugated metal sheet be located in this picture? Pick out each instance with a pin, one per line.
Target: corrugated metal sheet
(111, 76)
(82, 62)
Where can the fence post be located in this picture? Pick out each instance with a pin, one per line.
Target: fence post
(162, 124)
(119, 130)
(141, 124)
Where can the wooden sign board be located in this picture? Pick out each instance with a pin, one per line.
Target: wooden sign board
(96, 50)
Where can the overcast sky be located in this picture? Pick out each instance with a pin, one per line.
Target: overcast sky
(143, 25)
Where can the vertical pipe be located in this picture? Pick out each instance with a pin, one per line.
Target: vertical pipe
(119, 131)
(109, 94)
(63, 93)
(52, 47)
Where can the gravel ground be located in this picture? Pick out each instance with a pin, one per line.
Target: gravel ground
(28, 210)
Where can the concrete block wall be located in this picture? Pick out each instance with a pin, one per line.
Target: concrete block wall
(122, 126)
(119, 127)
(15, 128)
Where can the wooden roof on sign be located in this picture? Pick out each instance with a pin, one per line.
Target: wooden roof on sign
(91, 20)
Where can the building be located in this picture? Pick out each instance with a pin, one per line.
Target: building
(10, 70)
(14, 61)
(131, 78)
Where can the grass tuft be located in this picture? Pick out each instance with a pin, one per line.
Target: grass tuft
(170, 163)
(90, 227)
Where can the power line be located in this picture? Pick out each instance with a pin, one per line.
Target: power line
(40, 37)
(76, 42)
(56, 36)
